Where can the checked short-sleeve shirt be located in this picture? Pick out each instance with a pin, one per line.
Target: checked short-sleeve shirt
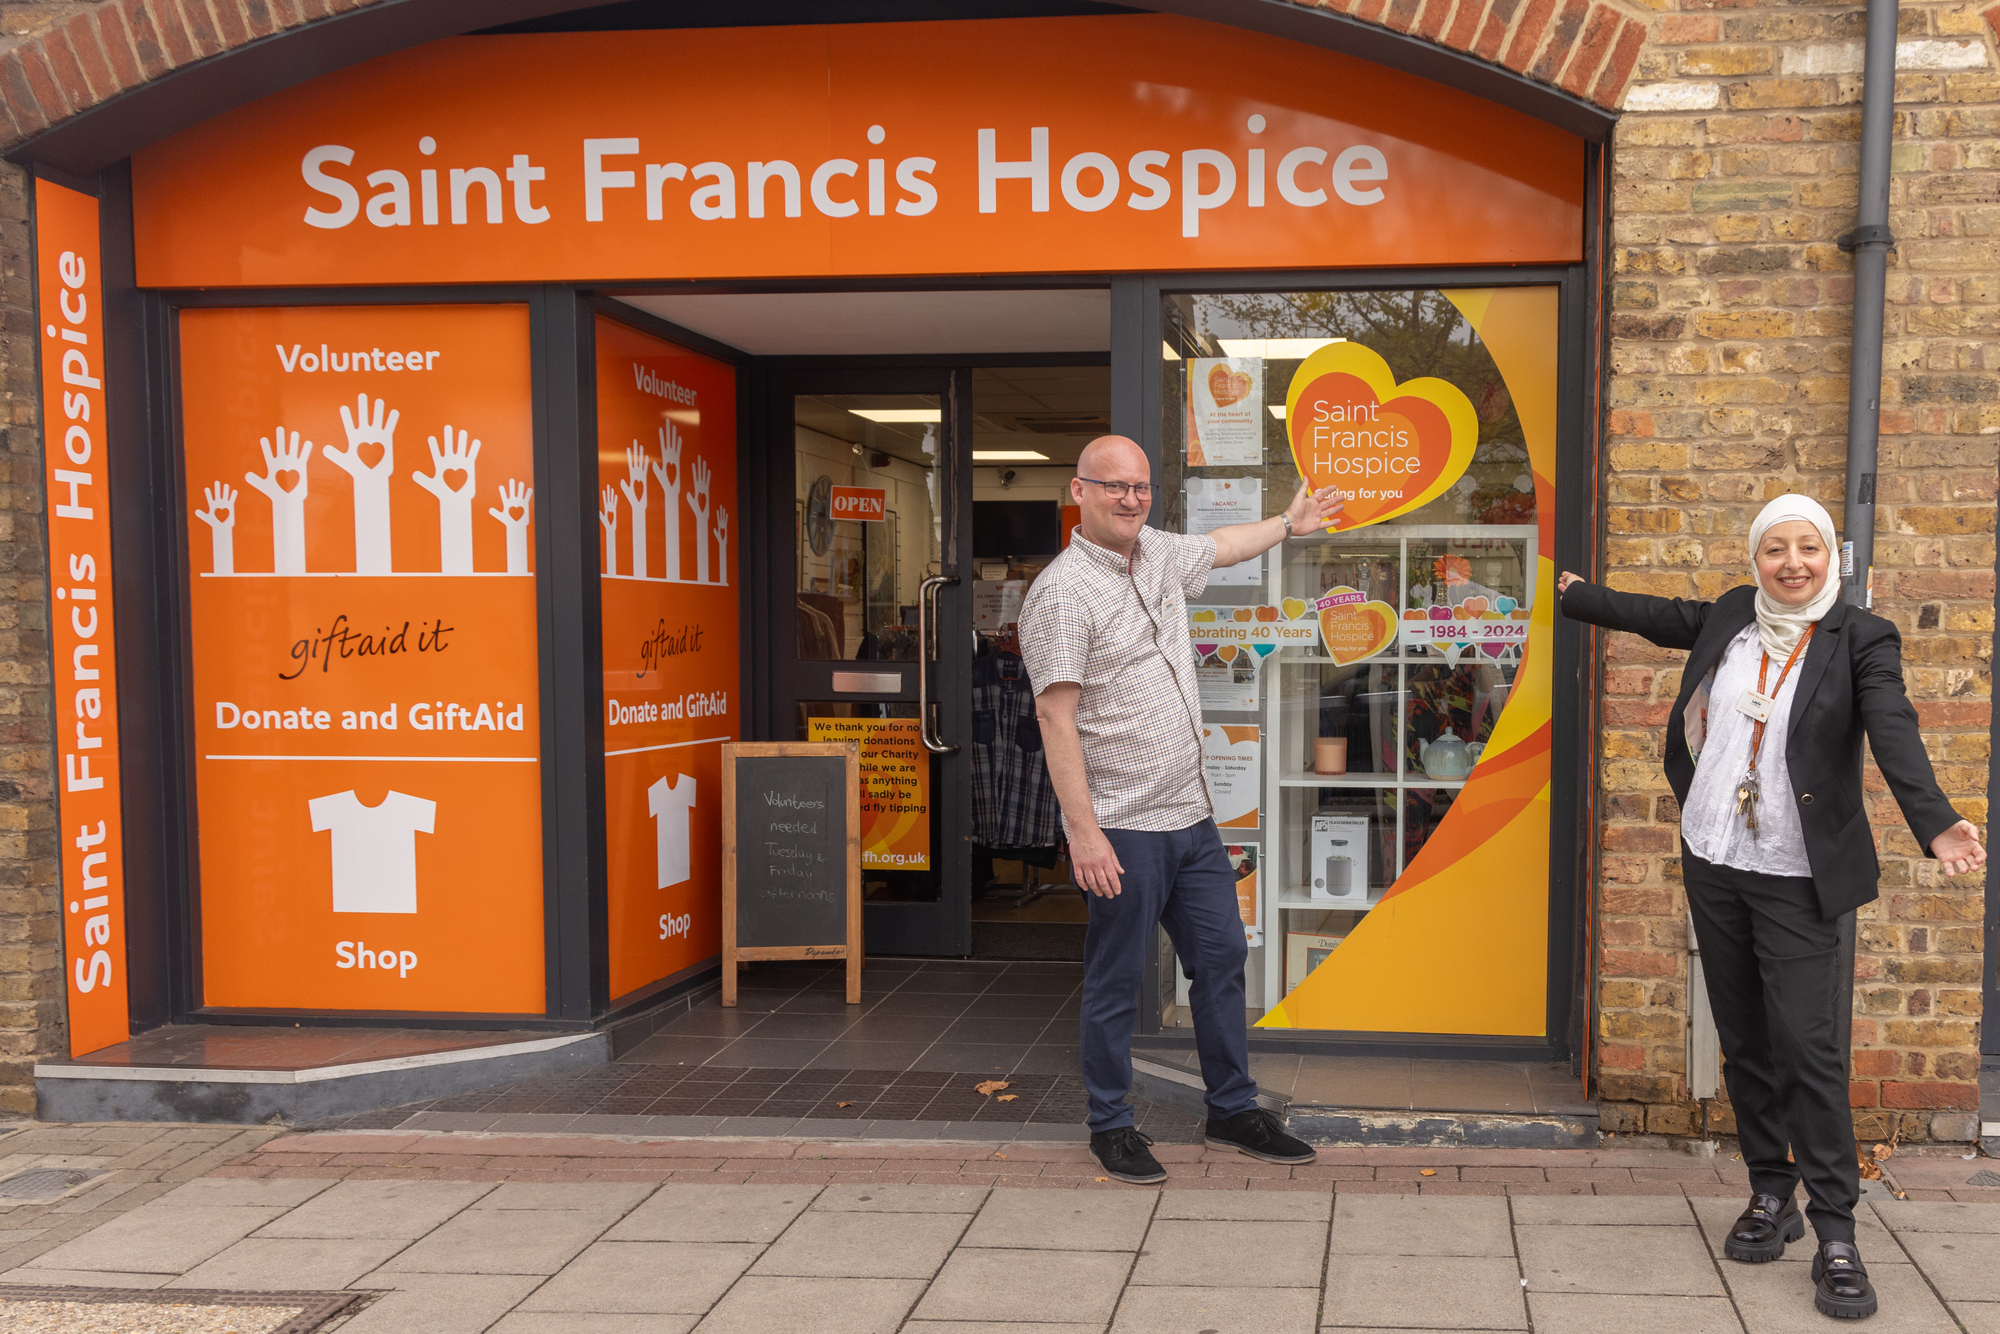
(1119, 630)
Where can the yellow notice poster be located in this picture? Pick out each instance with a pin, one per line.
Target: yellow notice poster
(895, 789)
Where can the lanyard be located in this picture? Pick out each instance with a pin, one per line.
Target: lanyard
(1763, 666)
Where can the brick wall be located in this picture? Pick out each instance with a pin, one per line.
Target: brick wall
(1735, 171)
(31, 987)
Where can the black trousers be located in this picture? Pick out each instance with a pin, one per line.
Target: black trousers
(1778, 984)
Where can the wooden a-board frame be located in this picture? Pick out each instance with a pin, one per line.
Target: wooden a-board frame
(851, 950)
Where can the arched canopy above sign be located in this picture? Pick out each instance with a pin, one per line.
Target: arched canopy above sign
(1090, 144)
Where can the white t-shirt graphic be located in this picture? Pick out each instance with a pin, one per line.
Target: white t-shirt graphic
(374, 849)
(670, 805)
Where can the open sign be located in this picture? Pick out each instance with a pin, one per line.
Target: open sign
(860, 504)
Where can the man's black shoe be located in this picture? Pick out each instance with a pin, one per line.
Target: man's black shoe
(1843, 1288)
(1261, 1135)
(1124, 1156)
(1760, 1232)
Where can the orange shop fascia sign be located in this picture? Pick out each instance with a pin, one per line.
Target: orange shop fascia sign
(1083, 144)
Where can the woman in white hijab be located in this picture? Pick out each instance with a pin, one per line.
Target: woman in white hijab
(1763, 752)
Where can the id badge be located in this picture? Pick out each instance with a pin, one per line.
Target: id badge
(1756, 706)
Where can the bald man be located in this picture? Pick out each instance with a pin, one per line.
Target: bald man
(1104, 637)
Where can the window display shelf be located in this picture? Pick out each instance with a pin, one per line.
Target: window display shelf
(1300, 897)
(1366, 780)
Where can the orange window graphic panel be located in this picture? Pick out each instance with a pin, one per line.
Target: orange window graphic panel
(668, 538)
(366, 720)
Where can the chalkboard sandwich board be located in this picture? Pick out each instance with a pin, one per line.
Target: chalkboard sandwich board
(791, 855)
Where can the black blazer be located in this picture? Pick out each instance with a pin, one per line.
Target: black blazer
(1850, 683)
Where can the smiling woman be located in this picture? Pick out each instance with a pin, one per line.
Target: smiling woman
(1782, 684)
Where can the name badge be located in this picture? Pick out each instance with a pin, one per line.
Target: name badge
(1754, 705)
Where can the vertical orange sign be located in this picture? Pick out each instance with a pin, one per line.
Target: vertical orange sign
(666, 465)
(90, 825)
(360, 521)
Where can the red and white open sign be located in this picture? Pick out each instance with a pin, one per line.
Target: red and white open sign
(860, 504)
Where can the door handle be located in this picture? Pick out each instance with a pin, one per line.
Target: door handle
(926, 635)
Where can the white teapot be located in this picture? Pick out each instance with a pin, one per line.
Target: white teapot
(1448, 757)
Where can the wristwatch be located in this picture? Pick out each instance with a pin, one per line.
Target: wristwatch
(1286, 519)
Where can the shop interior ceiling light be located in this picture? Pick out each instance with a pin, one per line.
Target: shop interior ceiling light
(1167, 351)
(1277, 410)
(1274, 349)
(1008, 456)
(899, 414)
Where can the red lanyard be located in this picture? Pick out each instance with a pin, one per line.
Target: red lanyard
(1757, 728)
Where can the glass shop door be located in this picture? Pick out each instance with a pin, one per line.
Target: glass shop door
(876, 646)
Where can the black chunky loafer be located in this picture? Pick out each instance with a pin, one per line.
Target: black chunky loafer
(1843, 1288)
(1760, 1232)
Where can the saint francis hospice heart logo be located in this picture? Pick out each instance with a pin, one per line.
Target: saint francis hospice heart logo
(1385, 448)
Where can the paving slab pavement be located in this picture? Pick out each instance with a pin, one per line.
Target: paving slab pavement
(475, 1233)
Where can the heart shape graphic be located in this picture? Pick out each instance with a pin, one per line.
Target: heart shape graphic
(361, 452)
(1505, 605)
(298, 479)
(1295, 608)
(447, 474)
(1226, 386)
(1385, 448)
(1355, 630)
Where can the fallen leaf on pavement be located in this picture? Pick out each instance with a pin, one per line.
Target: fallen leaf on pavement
(999, 1155)
(1100, 1178)
(1882, 1151)
(1870, 1170)
(1007, 1097)
(1428, 1172)
(990, 1086)
(843, 1104)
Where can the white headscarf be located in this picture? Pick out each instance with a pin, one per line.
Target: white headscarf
(1779, 626)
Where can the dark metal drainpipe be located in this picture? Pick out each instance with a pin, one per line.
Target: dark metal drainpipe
(1870, 243)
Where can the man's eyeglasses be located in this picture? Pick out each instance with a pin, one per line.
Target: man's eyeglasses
(1119, 490)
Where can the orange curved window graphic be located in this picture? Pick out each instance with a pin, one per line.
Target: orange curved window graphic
(1459, 942)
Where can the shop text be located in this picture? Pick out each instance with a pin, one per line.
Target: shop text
(356, 954)
(441, 716)
(713, 705)
(344, 642)
(618, 179)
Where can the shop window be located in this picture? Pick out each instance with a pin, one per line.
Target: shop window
(1376, 697)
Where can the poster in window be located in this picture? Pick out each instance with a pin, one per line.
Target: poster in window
(360, 518)
(1225, 398)
(1232, 755)
(1218, 502)
(666, 463)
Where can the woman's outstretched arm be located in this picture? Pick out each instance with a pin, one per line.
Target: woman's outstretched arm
(1897, 744)
(1667, 622)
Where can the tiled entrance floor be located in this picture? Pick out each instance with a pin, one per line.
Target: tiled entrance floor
(793, 1058)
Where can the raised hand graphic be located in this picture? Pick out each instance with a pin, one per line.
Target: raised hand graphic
(635, 496)
(670, 486)
(220, 516)
(454, 502)
(607, 518)
(371, 480)
(288, 502)
(514, 496)
(722, 546)
(697, 500)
